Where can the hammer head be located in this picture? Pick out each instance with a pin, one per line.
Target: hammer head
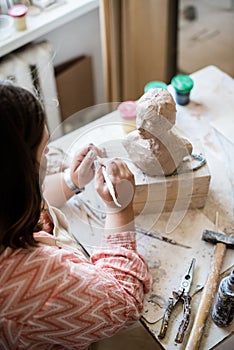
(218, 237)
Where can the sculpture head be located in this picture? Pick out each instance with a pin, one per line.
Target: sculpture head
(155, 113)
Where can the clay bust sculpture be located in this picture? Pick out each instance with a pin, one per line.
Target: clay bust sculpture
(155, 147)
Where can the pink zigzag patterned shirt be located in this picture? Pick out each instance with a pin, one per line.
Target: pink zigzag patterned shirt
(51, 298)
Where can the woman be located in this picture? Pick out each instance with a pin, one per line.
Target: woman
(53, 298)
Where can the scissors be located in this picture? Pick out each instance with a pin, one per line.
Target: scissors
(182, 294)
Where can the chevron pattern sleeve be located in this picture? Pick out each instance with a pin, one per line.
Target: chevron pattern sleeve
(51, 298)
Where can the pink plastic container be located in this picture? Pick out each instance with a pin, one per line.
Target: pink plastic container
(18, 13)
(127, 112)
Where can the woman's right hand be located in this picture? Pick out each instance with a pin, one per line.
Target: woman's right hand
(122, 180)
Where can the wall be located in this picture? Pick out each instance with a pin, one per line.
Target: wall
(79, 37)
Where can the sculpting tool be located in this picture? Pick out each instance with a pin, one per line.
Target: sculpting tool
(110, 186)
(160, 237)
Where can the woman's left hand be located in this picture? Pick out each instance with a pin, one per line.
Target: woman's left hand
(82, 169)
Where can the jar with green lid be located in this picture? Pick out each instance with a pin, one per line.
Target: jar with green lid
(182, 84)
(155, 85)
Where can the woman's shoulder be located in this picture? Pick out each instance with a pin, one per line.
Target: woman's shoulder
(20, 257)
(34, 259)
(34, 269)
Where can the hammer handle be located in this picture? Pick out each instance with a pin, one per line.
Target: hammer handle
(207, 297)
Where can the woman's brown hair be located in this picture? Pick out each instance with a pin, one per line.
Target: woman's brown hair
(22, 121)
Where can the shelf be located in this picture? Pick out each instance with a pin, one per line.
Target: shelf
(47, 21)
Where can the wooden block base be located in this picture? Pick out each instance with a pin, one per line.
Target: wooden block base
(176, 192)
(188, 190)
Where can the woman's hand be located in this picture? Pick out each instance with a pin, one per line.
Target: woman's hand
(56, 190)
(122, 180)
(117, 219)
(82, 169)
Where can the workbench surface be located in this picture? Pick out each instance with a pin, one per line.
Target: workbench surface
(208, 122)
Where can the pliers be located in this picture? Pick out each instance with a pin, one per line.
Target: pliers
(182, 294)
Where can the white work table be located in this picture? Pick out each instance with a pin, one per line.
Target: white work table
(208, 122)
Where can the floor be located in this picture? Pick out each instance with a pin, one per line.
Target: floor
(209, 38)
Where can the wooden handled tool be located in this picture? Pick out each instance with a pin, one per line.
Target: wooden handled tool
(209, 291)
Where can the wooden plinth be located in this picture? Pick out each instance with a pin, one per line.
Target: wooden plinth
(178, 192)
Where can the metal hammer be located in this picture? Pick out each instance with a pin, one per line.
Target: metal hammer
(222, 241)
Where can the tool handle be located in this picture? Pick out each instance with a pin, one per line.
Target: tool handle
(206, 298)
(186, 318)
(166, 318)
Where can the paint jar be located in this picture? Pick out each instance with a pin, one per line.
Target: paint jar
(127, 112)
(182, 84)
(223, 311)
(18, 13)
(155, 85)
